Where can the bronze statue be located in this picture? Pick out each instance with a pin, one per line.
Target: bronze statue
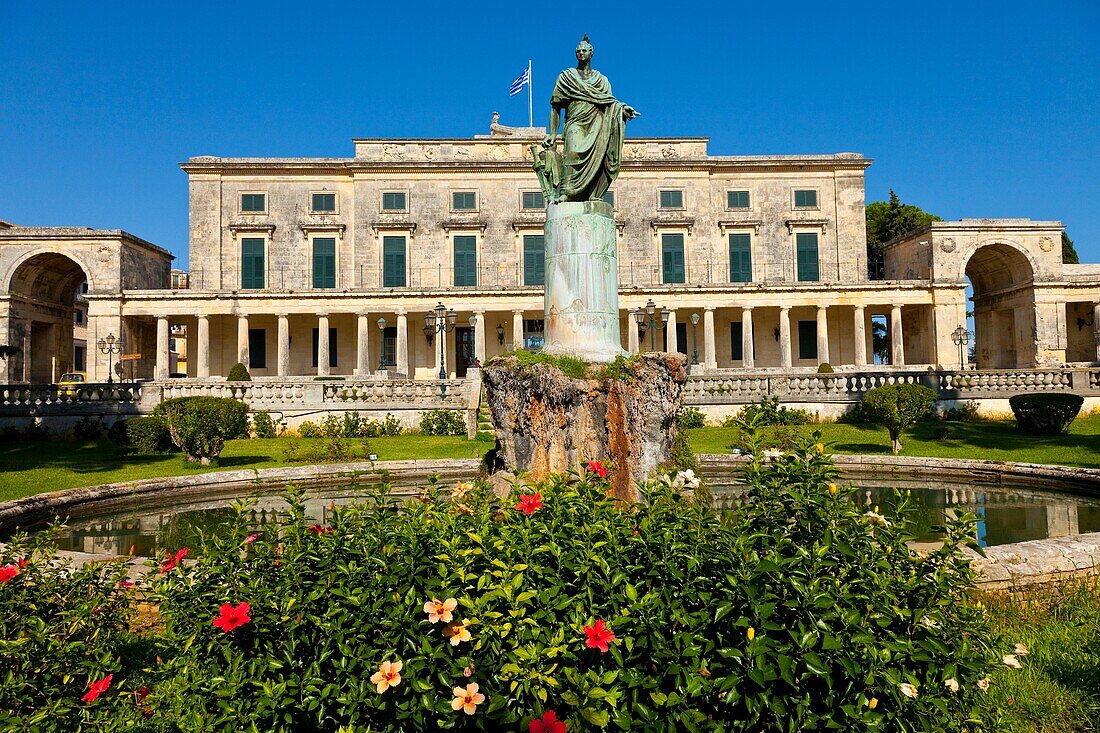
(595, 124)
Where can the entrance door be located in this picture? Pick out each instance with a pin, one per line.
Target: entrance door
(464, 350)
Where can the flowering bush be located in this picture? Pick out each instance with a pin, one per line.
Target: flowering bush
(556, 609)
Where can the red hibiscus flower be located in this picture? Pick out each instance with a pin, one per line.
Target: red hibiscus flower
(21, 562)
(170, 560)
(319, 529)
(8, 572)
(95, 689)
(230, 618)
(598, 468)
(529, 503)
(598, 636)
(548, 723)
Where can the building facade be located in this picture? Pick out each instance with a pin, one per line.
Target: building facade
(307, 267)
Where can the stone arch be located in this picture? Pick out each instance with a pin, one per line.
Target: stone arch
(42, 287)
(1002, 275)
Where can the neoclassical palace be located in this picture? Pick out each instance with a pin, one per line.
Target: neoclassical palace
(306, 267)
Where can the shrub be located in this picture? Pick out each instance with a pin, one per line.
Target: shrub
(442, 422)
(897, 406)
(89, 428)
(143, 436)
(967, 413)
(1045, 414)
(768, 412)
(690, 417)
(309, 429)
(330, 450)
(263, 426)
(199, 426)
(824, 368)
(239, 373)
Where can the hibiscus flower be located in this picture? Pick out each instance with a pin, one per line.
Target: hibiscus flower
(467, 699)
(8, 572)
(548, 723)
(95, 689)
(230, 617)
(171, 561)
(598, 468)
(438, 610)
(599, 636)
(387, 676)
(529, 503)
(458, 633)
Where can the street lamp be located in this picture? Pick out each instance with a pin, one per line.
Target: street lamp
(694, 340)
(961, 337)
(647, 319)
(500, 334)
(440, 321)
(110, 346)
(381, 344)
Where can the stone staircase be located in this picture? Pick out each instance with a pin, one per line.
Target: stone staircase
(484, 416)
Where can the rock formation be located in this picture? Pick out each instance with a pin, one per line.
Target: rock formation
(548, 422)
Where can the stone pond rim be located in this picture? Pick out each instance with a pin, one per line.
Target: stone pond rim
(548, 422)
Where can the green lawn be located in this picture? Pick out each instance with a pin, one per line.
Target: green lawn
(991, 440)
(34, 467)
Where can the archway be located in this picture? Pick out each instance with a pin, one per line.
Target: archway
(1002, 279)
(45, 293)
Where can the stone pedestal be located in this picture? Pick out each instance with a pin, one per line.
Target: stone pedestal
(547, 422)
(582, 281)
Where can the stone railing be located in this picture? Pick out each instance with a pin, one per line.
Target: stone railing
(1049, 380)
(76, 399)
(401, 394)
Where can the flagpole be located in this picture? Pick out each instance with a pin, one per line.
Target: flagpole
(530, 107)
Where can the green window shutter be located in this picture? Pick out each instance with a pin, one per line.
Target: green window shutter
(807, 198)
(253, 202)
(257, 348)
(464, 200)
(324, 262)
(737, 199)
(324, 202)
(740, 258)
(533, 200)
(672, 199)
(393, 262)
(534, 259)
(807, 339)
(806, 252)
(389, 346)
(465, 261)
(252, 263)
(672, 258)
(393, 201)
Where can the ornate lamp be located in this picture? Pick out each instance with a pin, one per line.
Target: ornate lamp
(694, 340)
(381, 342)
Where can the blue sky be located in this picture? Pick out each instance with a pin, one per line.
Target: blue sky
(969, 109)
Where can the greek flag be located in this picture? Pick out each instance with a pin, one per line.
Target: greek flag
(518, 85)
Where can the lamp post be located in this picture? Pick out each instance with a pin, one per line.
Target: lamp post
(647, 319)
(381, 344)
(110, 346)
(961, 337)
(440, 321)
(694, 340)
(500, 334)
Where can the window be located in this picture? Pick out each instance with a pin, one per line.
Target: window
(394, 201)
(737, 199)
(737, 336)
(465, 249)
(533, 334)
(257, 348)
(393, 262)
(464, 201)
(253, 203)
(317, 347)
(533, 200)
(323, 203)
(740, 258)
(807, 339)
(806, 252)
(80, 358)
(389, 346)
(609, 198)
(672, 258)
(171, 344)
(78, 315)
(534, 259)
(252, 263)
(672, 200)
(806, 199)
(324, 262)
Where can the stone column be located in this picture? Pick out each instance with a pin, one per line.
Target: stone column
(746, 338)
(6, 364)
(27, 361)
(670, 332)
(517, 330)
(161, 370)
(859, 328)
(479, 336)
(632, 344)
(710, 357)
(1096, 326)
(322, 345)
(822, 335)
(362, 352)
(785, 336)
(242, 340)
(202, 347)
(402, 366)
(897, 348)
(283, 358)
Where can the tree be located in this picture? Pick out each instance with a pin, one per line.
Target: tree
(888, 220)
(1069, 252)
(897, 406)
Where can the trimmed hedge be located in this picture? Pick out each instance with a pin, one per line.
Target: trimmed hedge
(199, 426)
(239, 373)
(1045, 414)
(442, 422)
(896, 407)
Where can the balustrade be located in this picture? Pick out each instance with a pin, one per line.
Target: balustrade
(82, 395)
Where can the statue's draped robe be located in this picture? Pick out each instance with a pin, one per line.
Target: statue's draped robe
(594, 129)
